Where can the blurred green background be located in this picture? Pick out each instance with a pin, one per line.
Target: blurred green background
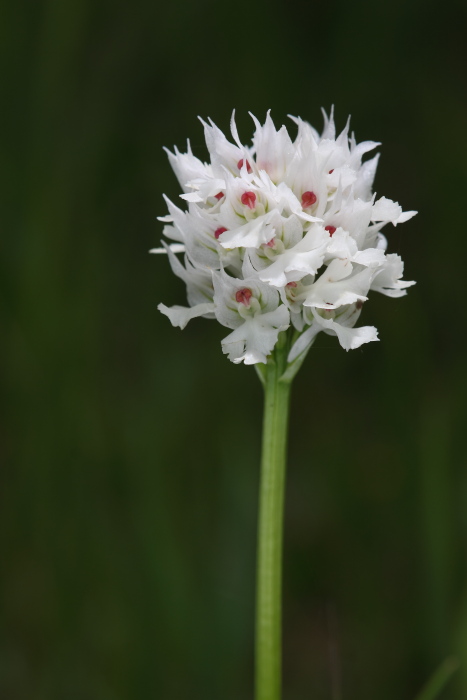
(130, 450)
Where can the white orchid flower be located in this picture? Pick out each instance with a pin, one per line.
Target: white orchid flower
(284, 232)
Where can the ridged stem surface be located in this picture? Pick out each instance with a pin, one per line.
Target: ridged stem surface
(270, 528)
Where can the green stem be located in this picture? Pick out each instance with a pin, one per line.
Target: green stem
(270, 526)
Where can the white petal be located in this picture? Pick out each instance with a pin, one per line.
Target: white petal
(234, 130)
(303, 342)
(251, 235)
(353, 338)
(388, 280)
(174, 247)
(305, 258)
(329, 131)
(386, 210)
(405, 216)
(349, 338)
(381, 241)
(192, 197)
(255, 339)
(173, 233)
(180, 315)
(224, 154)
(341, 245)
(198, 282)
(338, 286)
(187, 167)
(365, 177)
(369, 256)
(274, 149)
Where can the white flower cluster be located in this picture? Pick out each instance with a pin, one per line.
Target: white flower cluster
(281, 233)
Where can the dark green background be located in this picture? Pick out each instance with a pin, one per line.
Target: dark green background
(130, 450)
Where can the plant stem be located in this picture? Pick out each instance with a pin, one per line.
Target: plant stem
(270, 526)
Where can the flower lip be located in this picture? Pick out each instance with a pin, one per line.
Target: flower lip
(219, 231)
(243, 296)
(249, 199)
(308, 199)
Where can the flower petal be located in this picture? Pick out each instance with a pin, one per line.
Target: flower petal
(255, 339)
(174, 247)
(180, 315)
(349, 338)
(388, 280)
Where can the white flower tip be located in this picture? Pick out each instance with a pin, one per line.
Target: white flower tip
(234, 131)
(365, 334)
(174, 247)
(180, 315)
(405, 216)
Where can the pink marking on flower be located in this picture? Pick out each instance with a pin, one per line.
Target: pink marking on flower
(291, 284)
(219, 231)
(243, 296)
(249, 199)
(240, 165)
(331, 171)
(219, 195)
(331, 229)
(308, 199)
(271, 243)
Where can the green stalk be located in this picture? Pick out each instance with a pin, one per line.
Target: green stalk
(270, 526)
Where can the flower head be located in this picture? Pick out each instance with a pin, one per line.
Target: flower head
(282, 233)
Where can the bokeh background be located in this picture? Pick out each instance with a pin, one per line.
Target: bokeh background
(130, 450)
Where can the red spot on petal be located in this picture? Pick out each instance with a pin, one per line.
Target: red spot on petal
(219, 231)
(270, 244)
(219, 195)
(359, 304)
(308, 199)
(331, 229)
(249, 199)
(240, 166)
(291, 284)
(243, 296)
(331, 171)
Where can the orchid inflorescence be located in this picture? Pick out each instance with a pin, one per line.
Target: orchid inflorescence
(282, 234)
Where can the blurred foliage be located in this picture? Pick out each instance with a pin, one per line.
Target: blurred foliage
(130, 451)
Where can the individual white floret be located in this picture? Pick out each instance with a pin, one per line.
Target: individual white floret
(253, 310)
